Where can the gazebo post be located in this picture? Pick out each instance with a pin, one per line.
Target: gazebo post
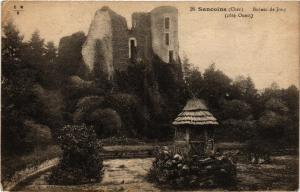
(187, 135)
(205, 135)
(187, 130)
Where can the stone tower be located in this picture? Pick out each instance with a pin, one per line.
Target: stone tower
(164, 31)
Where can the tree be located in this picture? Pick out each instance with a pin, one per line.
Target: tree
(272, 126)
(186, 67)
(12, 47)
(216, 87)
(19, 102)
(237, 121)
(69, 55)
(236, 109)
(271, 92)
(50, 52)
(34, 56)
(195, 82)
(277, 124)
(276, 105)
(291, 97)
(167, 100)
(243, 88)
(52, 77)
(36, 48)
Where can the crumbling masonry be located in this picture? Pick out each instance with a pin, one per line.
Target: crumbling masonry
(154, 32)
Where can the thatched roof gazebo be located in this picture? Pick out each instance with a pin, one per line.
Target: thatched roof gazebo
(194, 129)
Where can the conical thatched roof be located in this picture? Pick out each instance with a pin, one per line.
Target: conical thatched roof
(195, 112)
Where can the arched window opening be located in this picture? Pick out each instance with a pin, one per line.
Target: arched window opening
(132, 44)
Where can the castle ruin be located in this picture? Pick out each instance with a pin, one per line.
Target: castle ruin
(152, 33)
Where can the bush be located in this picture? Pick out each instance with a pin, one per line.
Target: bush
(85, 106)
(259, 151)
(236, 130)
(107, 122)
(81, 161)
(129, 109)
(177, 171)
(272, 126)
(39, 135)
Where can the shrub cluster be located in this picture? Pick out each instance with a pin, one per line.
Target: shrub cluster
(177, 171)
(81, 161)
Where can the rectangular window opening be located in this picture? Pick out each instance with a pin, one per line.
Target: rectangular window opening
(167, 22)
(171, 56)
(167, 38)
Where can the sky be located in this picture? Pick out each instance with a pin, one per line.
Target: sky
(266, 47)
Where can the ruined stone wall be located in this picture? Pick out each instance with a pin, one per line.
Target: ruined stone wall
(109, 31)
(119, 41)
(141, 30)
(100, 31)
(158, 31)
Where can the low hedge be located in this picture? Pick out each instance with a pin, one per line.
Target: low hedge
(176, 171)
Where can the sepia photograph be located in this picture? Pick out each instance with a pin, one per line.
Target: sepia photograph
(152, 96)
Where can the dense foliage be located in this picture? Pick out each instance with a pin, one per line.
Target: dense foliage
(51, 87)
(176, 171)
(246, 114)
(81, 161)
(24, 67)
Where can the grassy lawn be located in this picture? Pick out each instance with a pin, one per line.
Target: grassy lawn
(281, 174)
(11, 164)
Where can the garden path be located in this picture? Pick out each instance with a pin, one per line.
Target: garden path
(119, 175)
(129, 175)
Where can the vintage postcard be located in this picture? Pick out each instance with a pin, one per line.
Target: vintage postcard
(150, 96)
